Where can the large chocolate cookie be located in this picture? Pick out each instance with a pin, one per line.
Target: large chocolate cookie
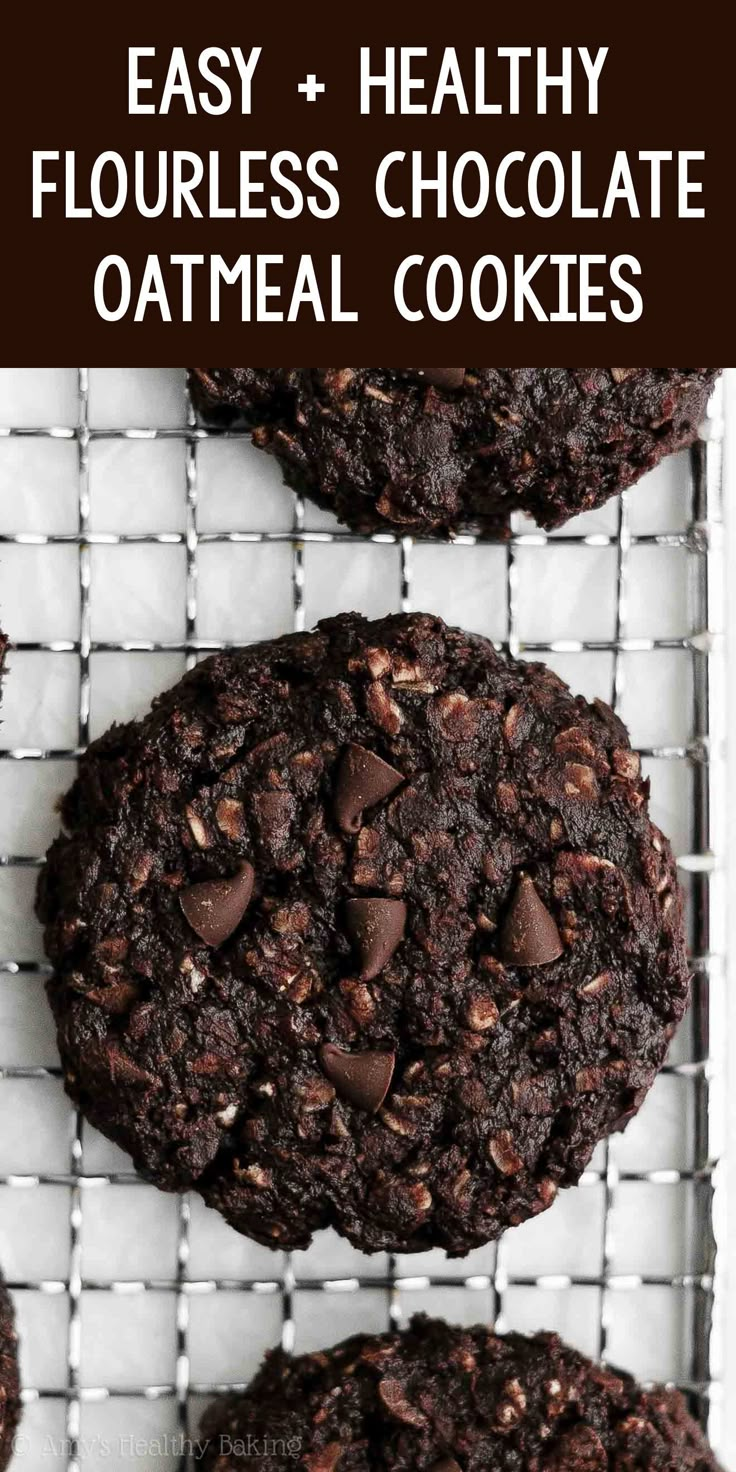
(434, 449)
(9, 1378)
(365, 927)
(441, 1399)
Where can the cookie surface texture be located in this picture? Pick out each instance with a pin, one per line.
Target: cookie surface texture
(9, 1377)
(434, 450)
(442, 1399)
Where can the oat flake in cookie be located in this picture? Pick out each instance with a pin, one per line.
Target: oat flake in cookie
(437, 449)
(367, 928)
(442, 1399)
(9, 1378)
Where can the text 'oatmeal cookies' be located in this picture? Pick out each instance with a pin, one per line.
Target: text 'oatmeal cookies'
(365, 928)
(441, 449)
(441, 1399)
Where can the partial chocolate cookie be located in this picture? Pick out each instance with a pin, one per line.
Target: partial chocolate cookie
(438, 449)
(440, 1399)
(368, 928)
(9, 1377)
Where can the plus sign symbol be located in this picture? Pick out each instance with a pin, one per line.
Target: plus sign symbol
(311, 88)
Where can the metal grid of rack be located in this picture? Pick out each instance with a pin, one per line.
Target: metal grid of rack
(395, 1284)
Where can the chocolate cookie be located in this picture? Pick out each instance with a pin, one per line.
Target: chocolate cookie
(366, 927)
(440, 1399)
(9, 1378)
(437, 449)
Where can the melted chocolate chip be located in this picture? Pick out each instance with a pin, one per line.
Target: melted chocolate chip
(375, 927)
(529, 936)
(362, 780)
(361, 1078)
(446, 1464)
(216, 907)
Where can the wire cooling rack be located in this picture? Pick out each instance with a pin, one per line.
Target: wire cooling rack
(133, 540)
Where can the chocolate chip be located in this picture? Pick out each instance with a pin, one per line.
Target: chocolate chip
(375, 927)
(448, 378)
(529, 936)
(363, 780)
(361, 1078)
(216, 907)
(446, 1464)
